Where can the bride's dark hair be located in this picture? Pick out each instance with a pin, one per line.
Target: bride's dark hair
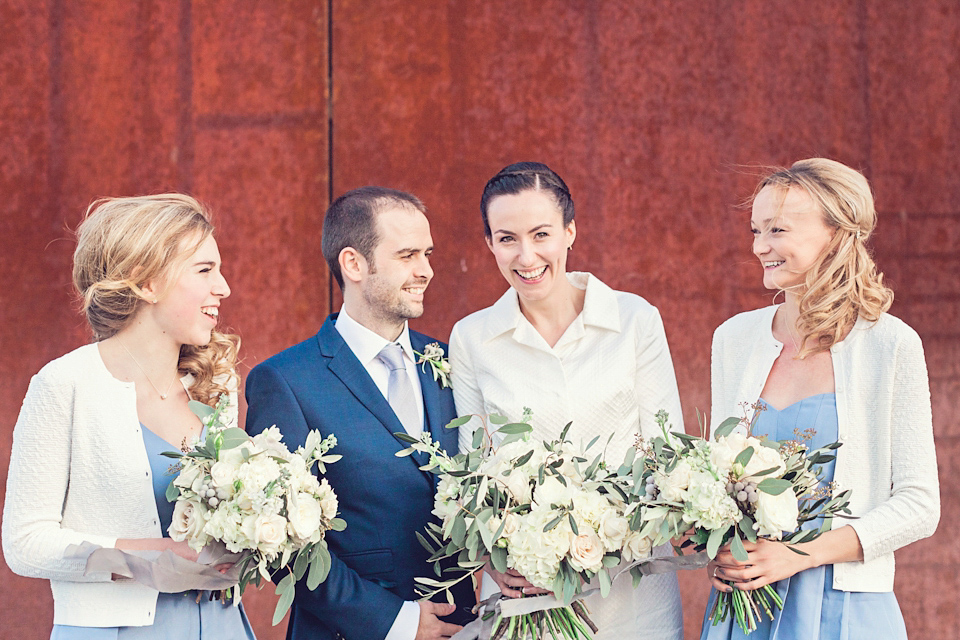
(527, 176)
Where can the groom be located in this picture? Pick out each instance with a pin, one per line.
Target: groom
(358, 379)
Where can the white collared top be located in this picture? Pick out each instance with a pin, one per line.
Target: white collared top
(609, 373)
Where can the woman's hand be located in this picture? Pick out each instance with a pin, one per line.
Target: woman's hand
(767, 562)
(512, 584)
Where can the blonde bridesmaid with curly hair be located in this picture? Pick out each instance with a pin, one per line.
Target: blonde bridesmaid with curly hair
(832, 362)
(86, 463)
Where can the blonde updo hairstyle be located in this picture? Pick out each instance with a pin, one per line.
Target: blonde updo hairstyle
(844, 282)
(122, 244)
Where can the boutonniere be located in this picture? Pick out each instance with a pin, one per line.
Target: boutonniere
(439, 365)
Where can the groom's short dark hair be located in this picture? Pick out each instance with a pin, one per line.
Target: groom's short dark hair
(351, 221)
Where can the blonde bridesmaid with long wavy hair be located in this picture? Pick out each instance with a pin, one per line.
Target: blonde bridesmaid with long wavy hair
(86, 463)
(832, 362)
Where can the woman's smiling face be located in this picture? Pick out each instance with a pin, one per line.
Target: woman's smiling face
(789, 235)
(529, 242)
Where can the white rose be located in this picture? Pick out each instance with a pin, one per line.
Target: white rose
(304, 513)
(673, 485)
(613, 529)
(776, 514)
(586, 552)
(518, 486)
(552, 491)
(269, 533)
(188, 475)
(189, 518)
(223, 474)
(636, 547)
(764, 458)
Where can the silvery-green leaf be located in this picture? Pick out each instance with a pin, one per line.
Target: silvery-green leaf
(286, 590)
(726, 427)
(774, 486)
(202, 411)
(232, 438)
(736, 546)
(744, 457)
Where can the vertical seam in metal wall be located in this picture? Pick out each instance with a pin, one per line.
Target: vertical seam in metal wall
(330, 280)
(185, 90)
(863, 19)
(56, 157)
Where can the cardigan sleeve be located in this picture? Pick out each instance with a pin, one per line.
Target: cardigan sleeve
(913, 509)
(656, 382)
(466, 387)
(34, 540)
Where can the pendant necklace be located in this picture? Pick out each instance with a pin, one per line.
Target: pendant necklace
(163, 396)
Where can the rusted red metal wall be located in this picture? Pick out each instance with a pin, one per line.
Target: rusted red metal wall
(656, 114)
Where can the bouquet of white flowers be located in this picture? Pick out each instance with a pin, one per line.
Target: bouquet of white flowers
(543, 508)
(734, 488)
(259, 500)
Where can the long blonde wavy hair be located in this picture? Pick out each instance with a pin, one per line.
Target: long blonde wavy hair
(122, 244)
(844, 283)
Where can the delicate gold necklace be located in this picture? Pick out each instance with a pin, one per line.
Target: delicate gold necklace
(163, 396)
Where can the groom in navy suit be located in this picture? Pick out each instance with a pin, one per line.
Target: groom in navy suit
(358, 379)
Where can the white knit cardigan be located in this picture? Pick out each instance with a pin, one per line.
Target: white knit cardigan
(885, 424)
(79, 473)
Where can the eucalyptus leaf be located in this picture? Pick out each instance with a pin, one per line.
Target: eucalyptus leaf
(173, 492)
(736, 546)
(744, 457)
(726, 428)
(232, 438)
(774, 486)
(459, 422)
(604, 583)
(715, 540)
(514, 427)
(498, 557)
(202, 411)
(496, 418)
(286, 590)
(405, 437)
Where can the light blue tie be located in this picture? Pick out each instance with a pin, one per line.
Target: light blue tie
(400, 389)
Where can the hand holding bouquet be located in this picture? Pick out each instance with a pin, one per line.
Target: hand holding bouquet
(735, 488)
(545, 509)
(258, 499)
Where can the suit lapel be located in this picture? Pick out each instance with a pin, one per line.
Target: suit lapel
(344, 364)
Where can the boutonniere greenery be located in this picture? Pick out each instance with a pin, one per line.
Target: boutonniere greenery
(439, 364)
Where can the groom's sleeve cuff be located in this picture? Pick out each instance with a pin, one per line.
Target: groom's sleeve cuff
(405, 625)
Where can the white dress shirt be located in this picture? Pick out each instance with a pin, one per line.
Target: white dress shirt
(366, 346)
(608, 374)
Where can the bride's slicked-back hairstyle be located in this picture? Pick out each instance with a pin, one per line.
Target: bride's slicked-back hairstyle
(527, 176)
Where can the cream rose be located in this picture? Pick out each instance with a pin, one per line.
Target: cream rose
(613, 529)
(776, 514)
(673, 486)
(223, 474)
(586, 552)
(636, 547)
(518, 486)
(305, 514)
(269, 533)
(189, 518)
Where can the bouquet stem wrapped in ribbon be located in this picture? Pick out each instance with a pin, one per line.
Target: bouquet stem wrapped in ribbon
(259, 500)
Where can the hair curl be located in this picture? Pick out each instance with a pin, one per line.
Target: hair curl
(122, 244)
(844, 282)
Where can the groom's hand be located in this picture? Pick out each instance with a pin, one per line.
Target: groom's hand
(431, 626)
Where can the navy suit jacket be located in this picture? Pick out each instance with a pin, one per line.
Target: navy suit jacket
(385, 500)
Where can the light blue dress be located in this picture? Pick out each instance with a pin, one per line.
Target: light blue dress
(812, 608)
(178, 615)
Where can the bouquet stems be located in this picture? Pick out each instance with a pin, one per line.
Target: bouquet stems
(746, 606)
(563, 623)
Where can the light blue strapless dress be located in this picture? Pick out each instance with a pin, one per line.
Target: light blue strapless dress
(178, 615)
(812, 608)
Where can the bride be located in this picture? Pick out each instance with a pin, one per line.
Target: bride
(571, 349)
